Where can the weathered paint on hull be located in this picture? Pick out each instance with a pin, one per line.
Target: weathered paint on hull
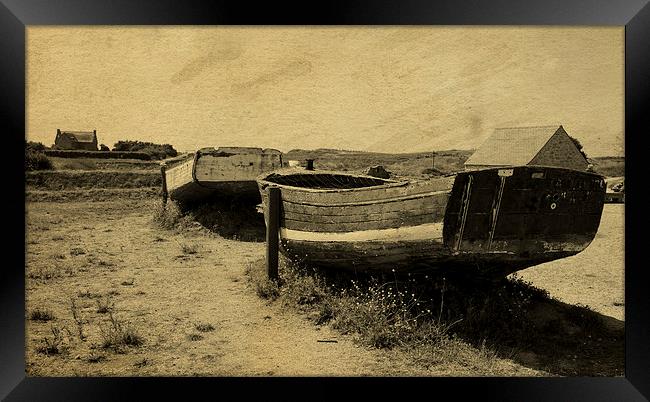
(224, 171)
(490, 222)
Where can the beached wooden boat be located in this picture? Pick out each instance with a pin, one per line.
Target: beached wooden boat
(492, 222)
(225, 170)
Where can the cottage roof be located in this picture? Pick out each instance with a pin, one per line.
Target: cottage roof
(80, 136)
(512, 145)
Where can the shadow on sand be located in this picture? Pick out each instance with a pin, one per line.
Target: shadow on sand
(523, 323)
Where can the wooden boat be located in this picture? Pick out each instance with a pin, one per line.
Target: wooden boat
(492, 222)
(225, 170)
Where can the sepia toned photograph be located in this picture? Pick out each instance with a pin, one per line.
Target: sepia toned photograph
(358, 201)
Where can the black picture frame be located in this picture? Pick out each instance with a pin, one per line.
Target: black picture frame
(15, 15)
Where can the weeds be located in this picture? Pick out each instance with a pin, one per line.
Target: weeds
(52, 345)
(77, 251)
(105, 305)
(195, 337)
(118, 335)
(170, 216)
(204, 327)
(43, 273)
(76, 316)
(43, 315)
(264, 287)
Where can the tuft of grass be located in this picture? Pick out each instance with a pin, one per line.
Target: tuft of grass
(264, 287)
(127, 282)
(43, 315)
(195, 337)
(118, 335)
(77, 251)
(52, 345)
(43, 273)
(87, 294)
(141, 363)
(170, 216)
(204, 327)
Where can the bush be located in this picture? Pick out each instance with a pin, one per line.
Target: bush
(157, 151)
(104, 148)
(35, 158)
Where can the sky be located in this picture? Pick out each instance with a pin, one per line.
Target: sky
(378, 88)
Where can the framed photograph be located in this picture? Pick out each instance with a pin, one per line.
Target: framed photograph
(417, 193)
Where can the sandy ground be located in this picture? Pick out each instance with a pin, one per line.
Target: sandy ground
(594, 277)
(163, 284)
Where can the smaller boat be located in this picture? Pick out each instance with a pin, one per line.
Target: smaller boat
(227, 171)
(488, 222)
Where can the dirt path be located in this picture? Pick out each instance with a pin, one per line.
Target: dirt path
(164, 284)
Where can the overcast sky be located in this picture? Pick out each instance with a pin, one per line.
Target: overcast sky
(388, 89)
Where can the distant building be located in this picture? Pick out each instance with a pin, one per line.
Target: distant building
(86, 140)
(516, 146)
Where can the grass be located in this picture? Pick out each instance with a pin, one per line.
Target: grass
(40, 314)
(118, 335)
(43, 273)
(86, 180)
(77, 251)
(204, 327)
(52, 345)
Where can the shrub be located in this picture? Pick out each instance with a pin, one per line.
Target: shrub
(157, 151)
(104, 148)
(35, 159)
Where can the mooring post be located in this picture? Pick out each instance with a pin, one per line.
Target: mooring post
(163, 169)
(272, 231)
(310, 164)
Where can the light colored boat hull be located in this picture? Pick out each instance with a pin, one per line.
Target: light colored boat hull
(220, 172)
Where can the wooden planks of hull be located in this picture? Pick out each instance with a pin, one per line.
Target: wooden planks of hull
(494, 221)
(228, 171)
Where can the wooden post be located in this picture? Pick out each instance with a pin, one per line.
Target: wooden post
(272, 231)
(163, 168)
(310, 164)
(433, 159)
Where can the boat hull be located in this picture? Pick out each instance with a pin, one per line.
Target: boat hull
(224, 172)
(492, 222)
